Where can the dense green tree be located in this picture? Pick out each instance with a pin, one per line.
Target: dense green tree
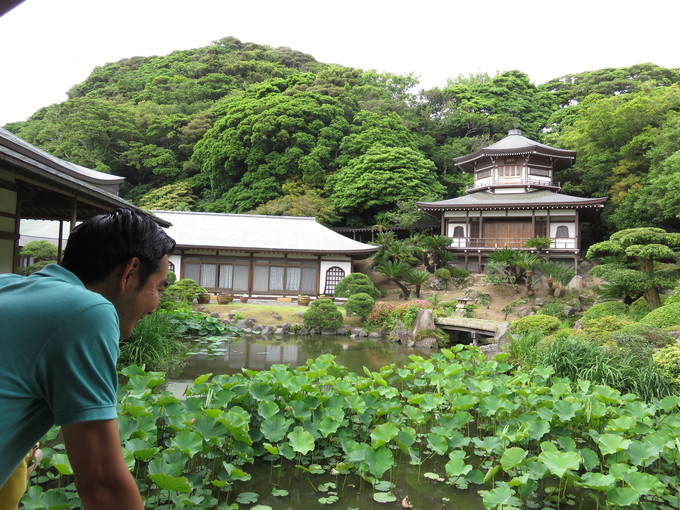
(268, 136)
(172, 197)
(646, 246)
(307, 202)
(379, 179)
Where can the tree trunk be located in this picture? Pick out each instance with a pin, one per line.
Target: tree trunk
(653, 298)
(403, 287)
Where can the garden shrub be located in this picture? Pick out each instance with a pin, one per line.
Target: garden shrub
(544, 324)
(361, 287)
(406, 312)
(355, 283)
(440, 335)
(380, 314)
(667, 360)
(554, 308)
(638, 309)
(522, 348)
(655, 337)
(443, 273)
(616, 308)
(665, 317)
(360, 304)
(185, 289)
(322, 313)
(601, 328)
(458, 273)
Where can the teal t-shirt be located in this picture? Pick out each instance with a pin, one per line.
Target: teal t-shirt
(58, 354)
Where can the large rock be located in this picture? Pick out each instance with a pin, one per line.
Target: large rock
(268, 330)
(329, 331)
(401, 334)
(360, 332)
(241, 324)
(525, 311)
(251, 322)
(501, 336)
(424, 320)
(427, 342)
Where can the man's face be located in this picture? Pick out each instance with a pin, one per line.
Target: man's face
(137, 302)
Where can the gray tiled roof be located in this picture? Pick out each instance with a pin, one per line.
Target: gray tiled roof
(253, 232)
(486, 200)
(514, 144)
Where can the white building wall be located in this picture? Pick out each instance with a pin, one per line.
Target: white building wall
(343, 263)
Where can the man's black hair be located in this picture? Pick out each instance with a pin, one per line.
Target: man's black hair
(98, 246)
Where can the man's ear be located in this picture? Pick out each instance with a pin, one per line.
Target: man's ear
(128, 273)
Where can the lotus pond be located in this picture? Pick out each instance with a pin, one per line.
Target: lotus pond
(450, 431)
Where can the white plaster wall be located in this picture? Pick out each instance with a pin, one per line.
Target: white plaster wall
(569, 242)
(325, 265)
(457, 242)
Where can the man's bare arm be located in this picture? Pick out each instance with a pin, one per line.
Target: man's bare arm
(102, 477)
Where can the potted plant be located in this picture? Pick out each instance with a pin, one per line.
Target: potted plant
(225, 298)
(303, 300)
(244, 298)
(203, 298)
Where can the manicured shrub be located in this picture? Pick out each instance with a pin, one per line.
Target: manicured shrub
(185, 289)
(554, 308)
(458, 273)
(380, 314)
(616, 308)
(667, 360)
(544, 324)
(652, 335)
(360, 304)
(443, 273)
(322, 313)
(665, 317)
(356, 283)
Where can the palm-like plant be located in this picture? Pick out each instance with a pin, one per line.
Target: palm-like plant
(527, 262)
(396, 271)
(417, 278)
(433, 251)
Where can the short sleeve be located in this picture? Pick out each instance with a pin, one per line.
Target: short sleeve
(76, 371)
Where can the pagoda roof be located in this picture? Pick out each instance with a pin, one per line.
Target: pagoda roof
(515, 144)
(484, 200)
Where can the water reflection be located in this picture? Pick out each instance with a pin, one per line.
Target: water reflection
(256, 353)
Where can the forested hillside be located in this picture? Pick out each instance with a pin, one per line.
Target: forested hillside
(241, 127)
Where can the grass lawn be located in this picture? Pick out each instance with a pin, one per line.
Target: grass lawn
(272, 314)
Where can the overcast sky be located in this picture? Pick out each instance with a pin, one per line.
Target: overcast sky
(47, 46)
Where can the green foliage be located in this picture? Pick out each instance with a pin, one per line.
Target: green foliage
(544, 324)
(440, 335)
(39, 251)
(406, 312)
(185, 289)
(155, 343)
(667, 360)
(665, 317)
(541, 243)
(616, 308)
(380, 314)
(443, 273)
(191, 323)
(529, 425)
(355, 283)
(380, 178)
(322, 313)
(360, 304)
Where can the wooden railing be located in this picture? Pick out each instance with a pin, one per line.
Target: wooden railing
(507, 182)
(564, 243)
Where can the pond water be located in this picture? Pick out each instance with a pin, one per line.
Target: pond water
(256, 353)
(305, 490)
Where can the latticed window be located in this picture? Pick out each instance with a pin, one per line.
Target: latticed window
(333, 276)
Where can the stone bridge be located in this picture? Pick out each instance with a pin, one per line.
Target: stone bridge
(495, 331)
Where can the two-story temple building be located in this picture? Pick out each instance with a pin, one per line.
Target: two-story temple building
(514, 198)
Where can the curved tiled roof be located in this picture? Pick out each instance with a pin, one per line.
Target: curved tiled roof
(252, 232)
(515, 144)
(486, 200)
